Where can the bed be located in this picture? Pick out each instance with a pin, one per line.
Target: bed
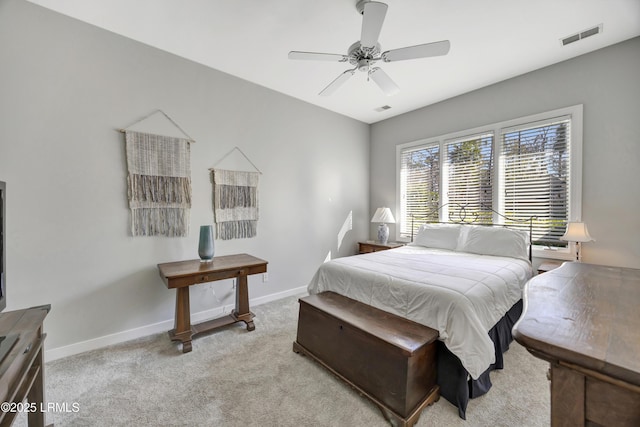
(465, 281)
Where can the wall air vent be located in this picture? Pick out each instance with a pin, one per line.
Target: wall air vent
(383, 108)
(581, 35)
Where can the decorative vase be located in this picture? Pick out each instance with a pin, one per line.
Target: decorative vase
(383, 233)
(205, 247)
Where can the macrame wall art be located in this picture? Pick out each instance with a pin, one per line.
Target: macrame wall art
(235, 201)
(159, 182)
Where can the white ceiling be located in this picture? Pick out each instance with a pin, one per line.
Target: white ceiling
(491, 41)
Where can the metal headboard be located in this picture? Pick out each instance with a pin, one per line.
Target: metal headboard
(460, 215)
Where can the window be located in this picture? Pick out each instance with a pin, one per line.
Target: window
(521, 168)
(420, 185)
(535, 175)
(468, 177)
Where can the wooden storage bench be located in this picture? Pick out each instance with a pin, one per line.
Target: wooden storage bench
(387, 358)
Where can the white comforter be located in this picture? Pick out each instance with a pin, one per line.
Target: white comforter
(459, 294)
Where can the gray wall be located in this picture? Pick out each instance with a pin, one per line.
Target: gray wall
(607, 82)
(65, 89)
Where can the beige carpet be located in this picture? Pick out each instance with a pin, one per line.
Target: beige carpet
(238, 378)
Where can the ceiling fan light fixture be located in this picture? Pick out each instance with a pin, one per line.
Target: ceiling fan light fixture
(357, 52)
(364, 65)
(364, 53)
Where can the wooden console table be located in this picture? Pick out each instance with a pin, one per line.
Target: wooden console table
(22, 367)
(584, 320)
(182, 274)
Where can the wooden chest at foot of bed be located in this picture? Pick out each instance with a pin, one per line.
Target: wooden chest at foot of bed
(389, 359)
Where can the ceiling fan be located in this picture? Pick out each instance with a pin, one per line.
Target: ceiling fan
(365, 53)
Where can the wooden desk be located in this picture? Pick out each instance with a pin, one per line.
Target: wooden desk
(182, 274)
(584, 319)
(22, 368)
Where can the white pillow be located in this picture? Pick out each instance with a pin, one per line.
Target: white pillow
(499, 241)
(439, 236)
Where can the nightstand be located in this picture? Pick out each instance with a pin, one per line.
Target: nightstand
(548, 266)
(373, 246)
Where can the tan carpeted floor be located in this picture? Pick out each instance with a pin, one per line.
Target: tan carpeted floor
(238, 378)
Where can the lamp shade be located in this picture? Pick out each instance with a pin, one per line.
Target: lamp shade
(383, 215)
(577, 232)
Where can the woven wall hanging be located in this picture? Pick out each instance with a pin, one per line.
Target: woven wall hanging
(159, 183)
(235, 203)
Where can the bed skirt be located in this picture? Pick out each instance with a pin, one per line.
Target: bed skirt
(455, 383)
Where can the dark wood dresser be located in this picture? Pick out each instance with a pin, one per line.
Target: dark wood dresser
(585, 320)
(22, 367)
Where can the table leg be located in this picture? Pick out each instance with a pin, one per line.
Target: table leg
(182, 325)
(242, 303)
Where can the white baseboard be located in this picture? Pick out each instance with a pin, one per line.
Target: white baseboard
(93, 344)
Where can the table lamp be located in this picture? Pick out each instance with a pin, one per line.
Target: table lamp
(383, 216)
(577, 232)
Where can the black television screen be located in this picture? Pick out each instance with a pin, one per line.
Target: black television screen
(3, 246)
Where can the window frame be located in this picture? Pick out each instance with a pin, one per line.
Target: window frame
(575, 112)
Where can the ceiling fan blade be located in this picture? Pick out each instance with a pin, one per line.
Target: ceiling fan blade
(372, 18)
(419, 51)
(383, 80)
(339, 81)
(317, 56)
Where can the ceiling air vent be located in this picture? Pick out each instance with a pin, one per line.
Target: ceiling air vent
(581, 35)
(383, 108)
